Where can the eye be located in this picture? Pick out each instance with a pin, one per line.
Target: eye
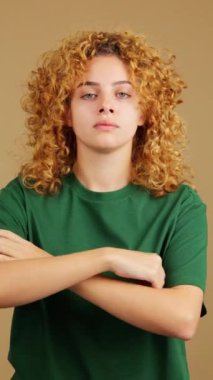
(122, 94)
(88, 96)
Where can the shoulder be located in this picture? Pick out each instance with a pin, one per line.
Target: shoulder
(16, 195)
(182, 204)
(186, 192)
(186, 203)
(185, 197)
(14, 187)
(15, 192)
(189, 212)
(13, 214)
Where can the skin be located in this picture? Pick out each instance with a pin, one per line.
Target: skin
(22, 264)
(102, 164)
(106, 152)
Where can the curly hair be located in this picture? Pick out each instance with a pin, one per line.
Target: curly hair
(158, 148)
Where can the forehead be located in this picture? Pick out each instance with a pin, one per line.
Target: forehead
(105, 68)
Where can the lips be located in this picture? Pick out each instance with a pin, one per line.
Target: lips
(106, 125)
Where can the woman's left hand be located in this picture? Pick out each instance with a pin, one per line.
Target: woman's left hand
(13, 247)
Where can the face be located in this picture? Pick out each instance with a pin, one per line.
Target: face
(104, 112)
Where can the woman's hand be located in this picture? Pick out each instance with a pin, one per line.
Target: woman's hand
(13, 247)
(137, 265)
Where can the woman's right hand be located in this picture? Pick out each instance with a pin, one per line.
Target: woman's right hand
(137, 265)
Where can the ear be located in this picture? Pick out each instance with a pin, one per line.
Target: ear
(68, 118)
(141, 121)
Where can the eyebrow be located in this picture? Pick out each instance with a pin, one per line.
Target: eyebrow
(89, 83)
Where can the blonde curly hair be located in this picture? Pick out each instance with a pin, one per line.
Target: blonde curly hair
(157, 154)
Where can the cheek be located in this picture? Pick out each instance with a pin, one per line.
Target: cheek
(133, 114)
(136, 115)
(80, 109)
(76, 112)
(80, 120)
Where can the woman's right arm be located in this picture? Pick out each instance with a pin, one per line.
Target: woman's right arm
(27, 273)
(27, 280)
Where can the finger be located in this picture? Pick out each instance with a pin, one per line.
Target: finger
(9, 247)
(11, 235)
(158, 283)
(5, 258)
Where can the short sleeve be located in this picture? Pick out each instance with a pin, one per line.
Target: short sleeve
(12, 209)
(185, 257)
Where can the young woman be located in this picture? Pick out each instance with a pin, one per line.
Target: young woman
(103, 240)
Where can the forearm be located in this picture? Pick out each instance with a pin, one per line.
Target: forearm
(160, 311)
(28, 273)
(28, 280)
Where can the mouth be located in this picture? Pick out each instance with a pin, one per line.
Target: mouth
(105, 126)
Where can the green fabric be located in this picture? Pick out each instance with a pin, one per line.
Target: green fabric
(64, 337)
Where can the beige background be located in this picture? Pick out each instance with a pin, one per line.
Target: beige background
(27, 28)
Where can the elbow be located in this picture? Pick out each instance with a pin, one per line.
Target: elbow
(187, 327)
(5, 301)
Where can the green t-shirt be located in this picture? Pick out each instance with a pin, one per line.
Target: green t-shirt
(63, 336)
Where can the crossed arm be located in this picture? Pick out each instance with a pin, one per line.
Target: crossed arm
(173, 312)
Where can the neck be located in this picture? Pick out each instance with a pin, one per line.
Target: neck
(103, 172)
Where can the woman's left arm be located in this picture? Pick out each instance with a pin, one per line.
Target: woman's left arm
(173, 311)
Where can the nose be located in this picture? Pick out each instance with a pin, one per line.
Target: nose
(105, 105)
(106, 110)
